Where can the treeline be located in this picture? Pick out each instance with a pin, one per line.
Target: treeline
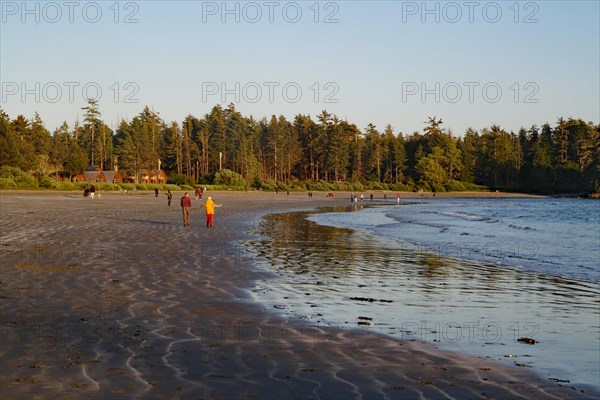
(271, 151)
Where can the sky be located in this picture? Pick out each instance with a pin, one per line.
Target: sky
(470, 63)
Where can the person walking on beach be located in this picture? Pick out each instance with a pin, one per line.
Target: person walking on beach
(398, 198)
(352, 197)
(210, 211)
(362, 197)
(155, 192)
(169, 197)
(186, 208)
(371, 196)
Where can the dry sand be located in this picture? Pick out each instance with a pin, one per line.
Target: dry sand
(114, 298)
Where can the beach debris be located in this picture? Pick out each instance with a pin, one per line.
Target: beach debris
(370, 299)
(367, 323)
(559, 380)
(510, 356)
(526, 340)
(366, 318)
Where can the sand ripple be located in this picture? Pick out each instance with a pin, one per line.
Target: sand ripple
(113, 298)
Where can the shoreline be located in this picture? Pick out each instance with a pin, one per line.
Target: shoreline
(342, 300)
(130, 303)
(345, 194)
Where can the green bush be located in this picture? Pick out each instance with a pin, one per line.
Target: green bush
(7, 183)
(229, 178)
(282, 186)
(356, 187)
(206, 179)
(455, 186)
(186, 188)
(401, 187)
(475, 188)
(319, 185)
(296, 185)
(338, 186)
(109, 186)
(180, 179)
(267, 185)
(423, 186)
(45, 182)
(141, 186)
(374, 185)
(21, 179)
(438, 187)
(172, 188)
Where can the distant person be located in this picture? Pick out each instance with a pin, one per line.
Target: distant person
(155, 192)
(169, 197)
(362, 197)
(398, 198)
(371, 196)
(92, 191)
(86, 192)
(186, 208)
(210, 211)
(197, 194)
(352, 197)
(385, 196)
(201, 192)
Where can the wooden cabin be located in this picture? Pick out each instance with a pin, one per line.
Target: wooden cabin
(93, 174)
(156, 176)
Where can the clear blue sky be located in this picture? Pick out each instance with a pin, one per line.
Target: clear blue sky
(373, 58)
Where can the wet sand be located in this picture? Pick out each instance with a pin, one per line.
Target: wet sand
(114, 298)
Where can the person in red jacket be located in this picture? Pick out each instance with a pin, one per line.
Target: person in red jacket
(186, 207)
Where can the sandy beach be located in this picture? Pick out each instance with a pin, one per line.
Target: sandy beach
(114, 298)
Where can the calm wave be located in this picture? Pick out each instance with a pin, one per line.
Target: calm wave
(552, 236)
(409, 272)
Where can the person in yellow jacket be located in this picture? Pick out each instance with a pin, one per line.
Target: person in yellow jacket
(210, 211)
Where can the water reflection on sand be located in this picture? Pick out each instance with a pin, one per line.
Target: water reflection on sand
(418, 295)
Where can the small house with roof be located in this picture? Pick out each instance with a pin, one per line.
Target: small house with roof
(155, 176)
(94, 174)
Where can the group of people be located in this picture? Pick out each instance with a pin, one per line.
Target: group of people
(89, 192)
(186, 207)
(354, 197)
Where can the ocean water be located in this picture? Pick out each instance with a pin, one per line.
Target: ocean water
(551, 236)
(467, 275)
